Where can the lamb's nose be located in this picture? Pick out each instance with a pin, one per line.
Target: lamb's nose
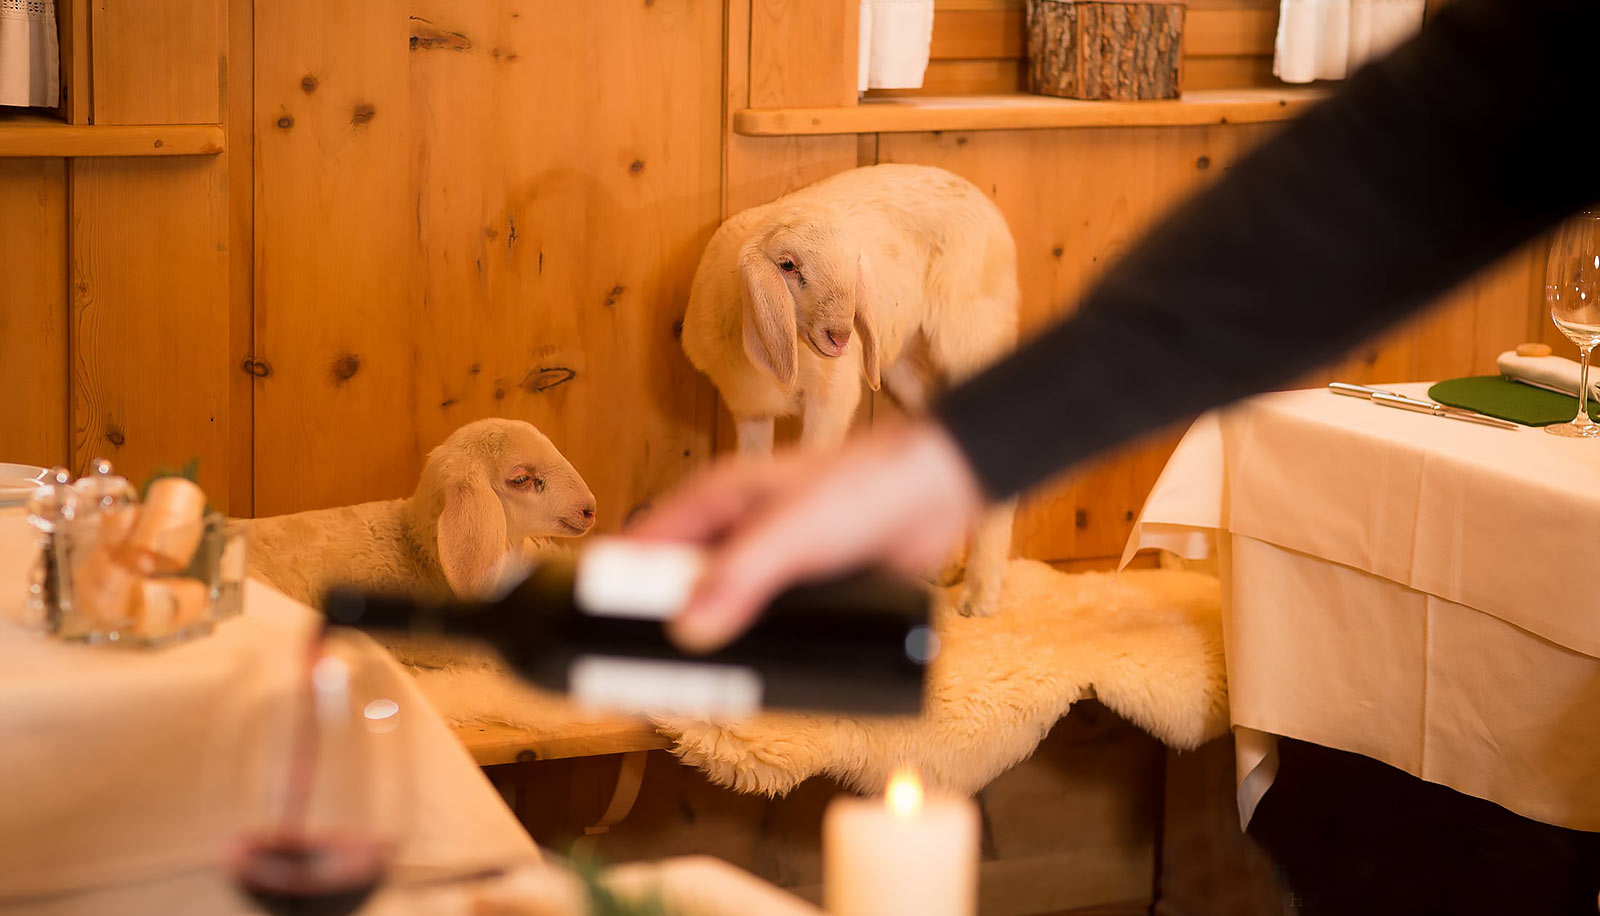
(588, 513)
(838, 338)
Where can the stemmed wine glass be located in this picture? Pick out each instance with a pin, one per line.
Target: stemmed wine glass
(319, 782)
(1571, 284)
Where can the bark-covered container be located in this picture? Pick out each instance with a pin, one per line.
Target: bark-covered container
(1091, 49)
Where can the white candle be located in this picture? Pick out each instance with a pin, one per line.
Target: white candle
(901, 855)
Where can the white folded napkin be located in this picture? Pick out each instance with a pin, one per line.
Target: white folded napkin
(896, 36)
(1555, 372)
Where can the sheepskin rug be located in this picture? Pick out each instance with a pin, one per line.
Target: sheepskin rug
(1146, 643)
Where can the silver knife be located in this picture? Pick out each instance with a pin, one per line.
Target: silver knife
(1405, 402)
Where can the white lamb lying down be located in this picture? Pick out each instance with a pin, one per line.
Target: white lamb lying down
(495, 492)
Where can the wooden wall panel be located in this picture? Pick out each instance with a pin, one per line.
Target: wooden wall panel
(336, 247)
(33, 311)
(158, 61)
(446, 231)
(802, 52)
(558, 246)
(238, 119)
(149, 253)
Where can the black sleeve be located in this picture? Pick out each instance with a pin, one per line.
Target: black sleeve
(1467, 141)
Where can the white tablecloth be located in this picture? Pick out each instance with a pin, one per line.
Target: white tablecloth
(110, 796)
(1419, 590)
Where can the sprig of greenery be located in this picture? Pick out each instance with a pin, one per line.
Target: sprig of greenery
(603, 901)
(190, 472)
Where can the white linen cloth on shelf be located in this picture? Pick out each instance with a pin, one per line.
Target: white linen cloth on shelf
(1398, 585)
(1330, 39)
(896, 36)
(109, 760)
(30, 61)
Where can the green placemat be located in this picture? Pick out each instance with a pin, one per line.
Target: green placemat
(1514, 401)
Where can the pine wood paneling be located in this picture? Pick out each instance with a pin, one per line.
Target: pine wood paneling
(456, 233)
(157, 61)
(336, 250)
(149, 253)
(802, 52)
(558, 249)
(33, 311)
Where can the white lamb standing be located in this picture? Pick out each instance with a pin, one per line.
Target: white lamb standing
(903, 274)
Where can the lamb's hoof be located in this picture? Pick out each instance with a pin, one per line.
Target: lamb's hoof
(973, 604)
(952, 573)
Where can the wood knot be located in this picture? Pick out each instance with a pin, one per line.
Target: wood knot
(115, 437)
(526, 756)
(961, 141)
(285, 122)
(363, 113)
(544, 378)
(1203, 163)
(448, 402)
(499, 392)
(256, 368)
(614, 295)
(1057, 251)
(474, 369)
(1080, 519)
(158, 144)
(308, 83)
(637, 166)
(344, 368)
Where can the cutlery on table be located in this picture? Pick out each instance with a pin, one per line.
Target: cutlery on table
(1405, 402)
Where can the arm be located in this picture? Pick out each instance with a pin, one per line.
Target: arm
(1465, 143)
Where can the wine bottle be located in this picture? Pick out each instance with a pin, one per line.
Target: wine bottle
(594, 628)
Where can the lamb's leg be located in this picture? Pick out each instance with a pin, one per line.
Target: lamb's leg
(907, 386)
(986, 562)
(829, 411)
(755, 436)
(960, 356)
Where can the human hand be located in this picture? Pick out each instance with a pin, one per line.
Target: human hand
(902, 497)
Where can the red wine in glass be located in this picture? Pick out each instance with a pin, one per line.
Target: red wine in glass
(309, 876)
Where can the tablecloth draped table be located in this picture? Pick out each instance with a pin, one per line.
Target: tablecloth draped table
(111, 799)
(1419, 590)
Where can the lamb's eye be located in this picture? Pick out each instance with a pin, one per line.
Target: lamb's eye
(786, 265)
(523, 481)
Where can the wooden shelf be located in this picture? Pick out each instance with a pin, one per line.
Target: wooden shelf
(1022, 112)
(35, 136)
(492, 744)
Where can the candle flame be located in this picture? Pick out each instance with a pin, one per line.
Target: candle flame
(904, 793)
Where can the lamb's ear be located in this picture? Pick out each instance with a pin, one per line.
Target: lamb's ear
(472, 536)
(867, 325)
(771, 339)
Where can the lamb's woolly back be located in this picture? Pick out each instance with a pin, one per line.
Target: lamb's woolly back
(371, 546)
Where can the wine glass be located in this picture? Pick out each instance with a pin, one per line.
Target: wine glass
(1571, 284)
(319, 780)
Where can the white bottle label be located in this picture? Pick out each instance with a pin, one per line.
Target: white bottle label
(680, 688)
(638, 580)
